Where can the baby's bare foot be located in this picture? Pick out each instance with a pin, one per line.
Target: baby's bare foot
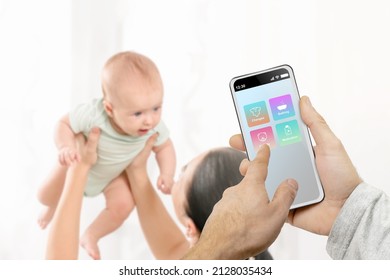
(89, 243)
(45, 216)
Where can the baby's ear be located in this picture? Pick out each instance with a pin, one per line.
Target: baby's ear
(107, 107)
(192, 231)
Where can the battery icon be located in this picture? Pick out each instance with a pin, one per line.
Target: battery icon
(285, 75)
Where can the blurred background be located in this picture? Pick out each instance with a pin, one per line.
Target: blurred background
(52, 52)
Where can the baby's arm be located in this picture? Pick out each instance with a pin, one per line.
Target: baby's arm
(166, 159)
(65, 140)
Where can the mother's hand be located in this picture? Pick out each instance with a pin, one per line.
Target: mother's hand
(63, 238)
(87, 148)
(140, 161)
(165, 239)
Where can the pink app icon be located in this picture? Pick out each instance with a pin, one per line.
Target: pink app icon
(262, 136)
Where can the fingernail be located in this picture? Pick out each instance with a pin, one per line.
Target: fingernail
(293, 184)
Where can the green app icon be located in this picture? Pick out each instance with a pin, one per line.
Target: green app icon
(288, 133)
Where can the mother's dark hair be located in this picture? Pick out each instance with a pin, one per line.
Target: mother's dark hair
(218, 170)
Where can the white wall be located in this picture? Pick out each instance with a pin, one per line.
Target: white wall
(35, 84)
(51, 56)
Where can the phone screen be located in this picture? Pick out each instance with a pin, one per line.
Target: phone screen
(267, 106)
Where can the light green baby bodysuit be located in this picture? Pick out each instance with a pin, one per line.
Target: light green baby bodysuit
(115, 151)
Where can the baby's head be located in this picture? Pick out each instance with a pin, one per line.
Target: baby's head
(133, 93)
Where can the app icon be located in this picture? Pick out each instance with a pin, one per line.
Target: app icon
(262, 136)
(282, 107)
(256, 113)
(288, 133)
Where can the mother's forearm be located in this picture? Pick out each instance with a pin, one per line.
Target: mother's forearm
(63, 238)
(164, 237)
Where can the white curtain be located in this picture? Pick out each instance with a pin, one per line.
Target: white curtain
(51, 56)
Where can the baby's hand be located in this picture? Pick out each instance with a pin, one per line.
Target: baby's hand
(68, 155)
(165, 183)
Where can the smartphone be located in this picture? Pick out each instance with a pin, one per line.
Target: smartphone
(267, 107)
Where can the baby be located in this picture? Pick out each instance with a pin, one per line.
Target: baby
(127, 115)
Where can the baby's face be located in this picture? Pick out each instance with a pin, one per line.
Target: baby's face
(137, 108)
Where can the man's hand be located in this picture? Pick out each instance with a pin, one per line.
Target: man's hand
(245, 222)
(337, 173)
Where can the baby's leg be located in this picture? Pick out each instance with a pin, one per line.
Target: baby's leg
(119, 204)
(49, 194)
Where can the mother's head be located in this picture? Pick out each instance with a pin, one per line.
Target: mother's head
(201, 185)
